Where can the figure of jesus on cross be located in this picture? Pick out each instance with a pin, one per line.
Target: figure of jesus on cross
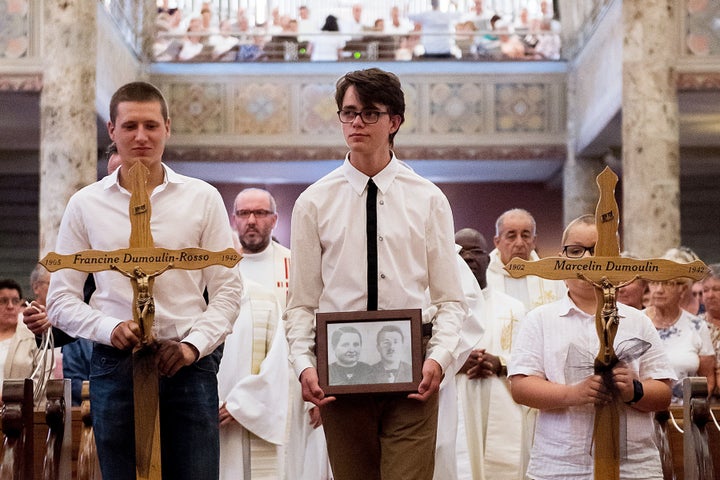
(595, 387)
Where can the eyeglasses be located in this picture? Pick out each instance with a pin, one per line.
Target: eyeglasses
(577, 251)
(367, 116)
(258, 213)
(4, 301)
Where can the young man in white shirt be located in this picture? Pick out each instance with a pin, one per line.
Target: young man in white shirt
(381, 435)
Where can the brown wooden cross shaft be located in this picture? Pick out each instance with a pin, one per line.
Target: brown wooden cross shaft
(607, 272)
(142, 263)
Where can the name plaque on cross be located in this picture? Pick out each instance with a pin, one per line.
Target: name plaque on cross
(607, 271)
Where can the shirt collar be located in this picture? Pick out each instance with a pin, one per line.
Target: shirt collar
(568, 307)
(358, 180)
(170, 177)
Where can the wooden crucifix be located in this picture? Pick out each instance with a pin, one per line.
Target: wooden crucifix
(142, 263)
(607, 272)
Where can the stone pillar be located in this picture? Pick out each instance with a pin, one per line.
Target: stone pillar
(68, 129)
(651, 164)
(580, 190)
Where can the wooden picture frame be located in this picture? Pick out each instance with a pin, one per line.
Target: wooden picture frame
(349, 358)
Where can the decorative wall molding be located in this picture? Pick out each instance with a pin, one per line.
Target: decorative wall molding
(297, 153)
(695, 81)
(21, 82)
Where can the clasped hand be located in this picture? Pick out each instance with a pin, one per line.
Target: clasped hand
(171, 355)
(593, 389)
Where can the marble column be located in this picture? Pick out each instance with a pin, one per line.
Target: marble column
(651, 164)
(580, 190)
(68, 129)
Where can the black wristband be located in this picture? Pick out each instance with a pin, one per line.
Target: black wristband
(638, 392)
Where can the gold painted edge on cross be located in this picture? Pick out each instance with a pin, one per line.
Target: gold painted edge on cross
(151, 258)
(615, 269)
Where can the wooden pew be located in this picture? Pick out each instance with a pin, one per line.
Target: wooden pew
(17, 430)
(52, 442)
(696, 413)
(52, 433)
(87, 460)
(694, 445)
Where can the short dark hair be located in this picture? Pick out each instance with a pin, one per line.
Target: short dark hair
(335, 339)
(110, 151)
(137, 92)
(10, 284)
(374, 86)
(390, 329)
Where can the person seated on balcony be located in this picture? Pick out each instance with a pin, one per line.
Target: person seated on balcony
(241, 27)
(522, 24)
(398, 24)
(479, 16)
(465, 38)
(354, 25)
(327, 47)
(548, 44)
(209, 20)
(194, 41)
(169, 36)
(487, 45)
(438, 32)
(306, 25)
(253, 50)
(224, 44)
(511, 46)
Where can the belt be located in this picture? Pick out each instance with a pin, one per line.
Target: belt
(427, 330)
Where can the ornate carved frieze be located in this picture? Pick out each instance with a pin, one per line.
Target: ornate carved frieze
(698, 81)
(28, 82)
(296, 153)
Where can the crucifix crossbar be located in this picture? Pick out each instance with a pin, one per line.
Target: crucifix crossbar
(607, 271)
(142, 263)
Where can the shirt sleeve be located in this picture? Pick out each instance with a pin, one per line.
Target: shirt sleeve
(527, 350)
(305, 287)
(224, 285)
(444, 284)
(66, 308)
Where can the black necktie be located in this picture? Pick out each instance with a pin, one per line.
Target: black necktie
(371, 229)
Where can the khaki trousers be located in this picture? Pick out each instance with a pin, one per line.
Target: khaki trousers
(381, 437)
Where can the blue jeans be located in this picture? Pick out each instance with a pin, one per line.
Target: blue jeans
(189, 437)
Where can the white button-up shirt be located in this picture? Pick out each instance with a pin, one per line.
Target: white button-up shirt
(186, 212)
(416, 255)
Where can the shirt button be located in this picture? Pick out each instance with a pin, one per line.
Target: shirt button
(382, 275)
(380, 238)
(382, 202)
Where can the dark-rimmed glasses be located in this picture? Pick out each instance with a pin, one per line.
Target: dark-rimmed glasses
(258, 213)
(577, 251)
(367, 116)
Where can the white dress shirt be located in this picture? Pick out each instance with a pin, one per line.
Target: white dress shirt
(416, 251)
(563, 436)
(186, 212)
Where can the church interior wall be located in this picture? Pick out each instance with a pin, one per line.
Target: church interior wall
(474, 205)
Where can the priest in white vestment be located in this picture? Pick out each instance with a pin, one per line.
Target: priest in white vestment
(515, 236)
(490, 423)
(252, 386)
(470, 333)
(268, 262)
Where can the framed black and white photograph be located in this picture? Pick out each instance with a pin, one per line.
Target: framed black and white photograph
(369, 352)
